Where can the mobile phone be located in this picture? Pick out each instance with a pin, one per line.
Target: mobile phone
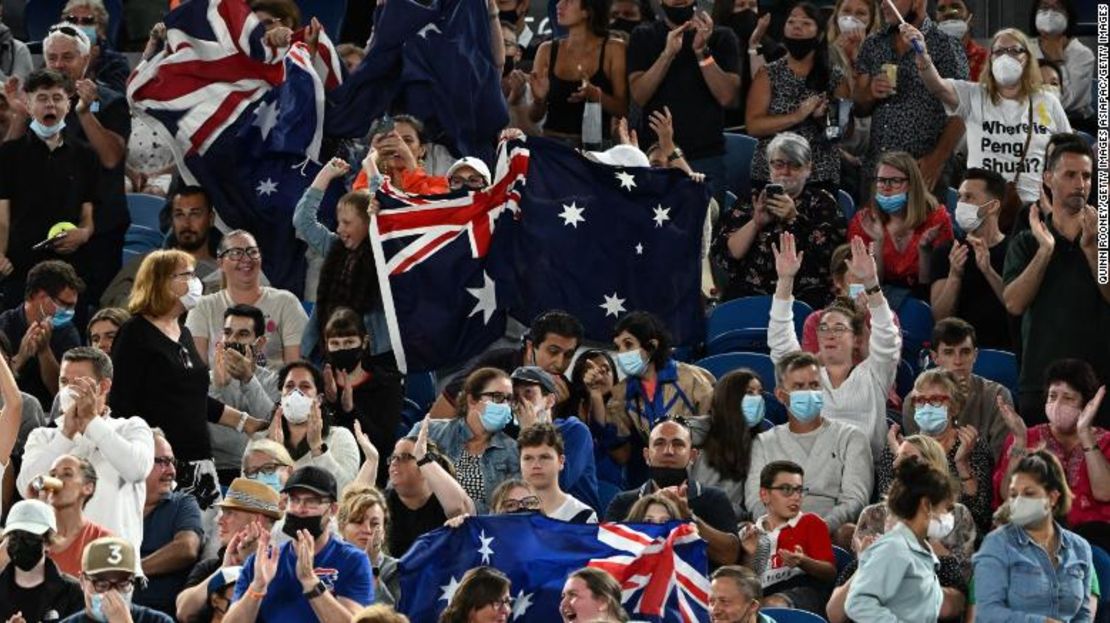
(773, 190)
(237, 347)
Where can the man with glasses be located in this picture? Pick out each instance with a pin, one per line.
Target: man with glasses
(109, 583)
(42, 327)
(30, 582)
(314, 577)
(172, 532)
(105, 64)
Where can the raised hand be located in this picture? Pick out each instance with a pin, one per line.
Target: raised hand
(624, 135)
(674, 40)
(369, 450)
(788, 260)
(1087, 417)
(894, 438)
(749, 538)
(315, 434)
(17, 99)
(967, 435)
(1013, 422)
(306, 555)
(911, 34)
(982, 254)
(541, 85)
(220, 376)
(1088, 223)
(661, 122)
(265, 563)
(928, 237)
(957, 260)
(420, 448)
(347, 397)
(760, 30)
(703, 30)
(274, 432)
(331, 392)
(1045, 240)
(278, 37)
(861, 264)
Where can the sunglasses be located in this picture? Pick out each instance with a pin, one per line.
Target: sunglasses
(88, 20)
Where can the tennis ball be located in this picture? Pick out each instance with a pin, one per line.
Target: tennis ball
(60, 228)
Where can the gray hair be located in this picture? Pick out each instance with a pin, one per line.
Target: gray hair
(79, 39)
(791, 146)
(96, 6)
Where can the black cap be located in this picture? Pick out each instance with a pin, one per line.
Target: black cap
(313, 479)
(536, 376)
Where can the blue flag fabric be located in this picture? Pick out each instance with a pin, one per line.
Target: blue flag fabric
(661, 567)
(595, 240)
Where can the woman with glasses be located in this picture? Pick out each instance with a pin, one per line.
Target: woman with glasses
(240, 261)
(514, 496)
(938, 398)
(160, 376)
(742, 246)
(1009, 115)
(268, 462)
(482, 597)
(475, 440)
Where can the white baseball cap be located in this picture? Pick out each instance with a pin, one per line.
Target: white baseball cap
(473, 163)
(621, 156)
(31, 516)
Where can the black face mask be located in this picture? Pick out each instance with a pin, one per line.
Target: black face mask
(510, 63)
(509, 17)
(743, 24)
(664, 477)
(679, 15)
(346, 359)
(798, 48)
(25, 552)
(314, 524)
(624, 25)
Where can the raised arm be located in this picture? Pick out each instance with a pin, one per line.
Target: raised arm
(780, 330)
(446, 489)
(941, 88)
(12, 415)
(305, 221)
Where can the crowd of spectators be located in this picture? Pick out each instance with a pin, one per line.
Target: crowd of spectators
(179, 440)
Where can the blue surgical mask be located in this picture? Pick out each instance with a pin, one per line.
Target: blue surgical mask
(752, 405)
(90, 32)
(891, 204)
(856, 289)
(805, 404)
(62, 316)
(44, 131)
(631, 363)
(496, 417)
(272, 481)
(96, 610)
(931, 419)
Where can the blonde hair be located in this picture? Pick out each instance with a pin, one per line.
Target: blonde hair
(151, 294)
(947, 380)
(269, 447)
(639, 510)
(931, 451)
(379, 613)
(1030, 77)
(833, 29)
(920, 203)
(356, 501)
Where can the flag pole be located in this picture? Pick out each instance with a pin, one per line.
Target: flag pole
(915, 43)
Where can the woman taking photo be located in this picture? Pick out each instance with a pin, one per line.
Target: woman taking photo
(1008, 114)
(397, 152)
(794, 93)
(160, 376)
(363, 519)
(591, 387)
(482, 596)
(1034, 568)
(897, 578)
(586, 66)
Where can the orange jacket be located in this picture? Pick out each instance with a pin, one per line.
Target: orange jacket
(416, 182)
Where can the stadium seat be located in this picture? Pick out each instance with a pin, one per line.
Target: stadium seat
(774, 411)
(1087, 137)
(916, 318)
(760, 363)
(999, 366)
(140, 240)
(904, 378)
(951, 198)
(741, 324)
(843, 558)
(739, 150)
(144, 209)
(1102, 569)
(846, 203)
(420, 387)
(329, 12)
(411, 413)
(791, 615)
(40, 15)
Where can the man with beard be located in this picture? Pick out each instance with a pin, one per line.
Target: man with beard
(194, 232)
(1051, 276)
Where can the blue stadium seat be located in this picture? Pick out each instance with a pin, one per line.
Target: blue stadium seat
(720, 365)
(411, 413)
(144, 209)
(140, 240)
(791, 615)
(739, 150)
(1102, 569)
(774, 411)
(329, 12)
(999, 366)
(916, 318)
(1087, 137)
(741, 324)
(843, 558)
(420, 387)
(846, 203)
(40, 15)
(951, 198)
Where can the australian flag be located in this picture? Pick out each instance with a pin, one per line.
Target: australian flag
(661, 567)
(596, 240)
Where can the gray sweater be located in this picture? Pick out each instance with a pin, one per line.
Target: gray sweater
(838, 469)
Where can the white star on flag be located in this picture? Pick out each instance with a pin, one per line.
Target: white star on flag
(521, 604)
(266, 117)
(661, 215)
(487, 298)
(639, 248)
(449, 590)
(613, 306)
(423, 32)
(267, 187)
(628, 182)
(485, 550)
(572, 215)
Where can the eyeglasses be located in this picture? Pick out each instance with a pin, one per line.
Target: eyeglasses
(1015, 51)
(88, 20)
(236, 253)
(267, 469)
(511, 505)
(311, 502)
(165, 461)
(890, 182)
(835, 329)
(504, 602)
(62, 304)
(474, 182)
(103, 586)
(790, 490)
(497, 397)
(400, 457)
(786, 164)
(187, 274)
(938, 400)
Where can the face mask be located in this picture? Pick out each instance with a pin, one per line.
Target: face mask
(855, 289)
(967, 216)
(931, 419)
(495, 417)
(664, 477)
(849, 23)
(346, 359)
(510, 63)
(293, 524)
(90, 32)
(1027, 511)
(953, 27)
(295, 407)
(509, 17)
(1051, 22)
(25, 553)
(805, 404)
(190, 299)
(623, 25)
(631, 363)
(799, 48)
(272, 481)
(940, 527)
(43, 131)
(66, 399)
(679, 15)
(62, 316)
(1006, 71)
(744, 23)
(1063, 417)
(1053, 89)
(753, 407)
(891, 204)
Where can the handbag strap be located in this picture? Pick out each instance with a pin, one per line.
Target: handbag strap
(1025, 149)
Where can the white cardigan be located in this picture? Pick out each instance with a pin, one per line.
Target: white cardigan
(861, 398)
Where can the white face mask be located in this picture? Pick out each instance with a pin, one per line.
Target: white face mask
(849, 23)
(1051, 22)
(967, 216)
(1026, 511)
(66, 399)
(295, 407)
(941, 526)
(1007, 71)
(1053, 89)
(190, 299)
(953, 27)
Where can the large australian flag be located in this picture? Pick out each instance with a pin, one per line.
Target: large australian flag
(661, 567)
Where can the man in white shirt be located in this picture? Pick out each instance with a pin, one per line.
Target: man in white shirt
(541, 460)
(120, 450)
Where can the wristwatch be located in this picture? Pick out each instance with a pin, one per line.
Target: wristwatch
(873, 289)
(675, 155)
(316, 591)
(428, 458)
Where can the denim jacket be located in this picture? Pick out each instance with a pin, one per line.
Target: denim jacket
(500, 460)
(896, 581)
(1015, 580)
